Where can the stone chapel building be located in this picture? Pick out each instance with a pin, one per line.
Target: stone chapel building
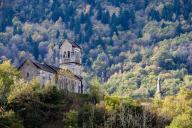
(65, 77)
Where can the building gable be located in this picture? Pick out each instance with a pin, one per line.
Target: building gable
(28, 70)
(69, 44)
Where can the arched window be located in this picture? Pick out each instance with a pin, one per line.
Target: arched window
(64, 56)
(73, 87)
(27, 74)
(68, 54)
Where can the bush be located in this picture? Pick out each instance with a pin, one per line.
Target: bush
(71, 119)
(182, 121)
(10, 120)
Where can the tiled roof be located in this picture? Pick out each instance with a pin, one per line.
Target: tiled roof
(47, 67)
(38, 65)
(44, 67)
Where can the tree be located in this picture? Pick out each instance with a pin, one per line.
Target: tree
(182, 121)
(154, 15)
(95, 90)
(72, 119)
(99, 13)
(7, 76)
(101, 63)
(179, 29)
(56, 14)
(137, 57)
(167, 12)
(9, 119)
(105, 17)
(6, 15)
(17, 25)
(77, 26)
(126, 17)
(35, 50)
(88, 30)
(177, 7)
(114, 20)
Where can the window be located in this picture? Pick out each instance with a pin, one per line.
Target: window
(79, 89)
(64, 56)
(27, 74)
(68, 54)
(73, 88)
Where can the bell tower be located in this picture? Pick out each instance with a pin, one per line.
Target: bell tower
(158, 86)
(70, 57)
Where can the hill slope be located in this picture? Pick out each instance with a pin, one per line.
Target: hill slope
(140, 39)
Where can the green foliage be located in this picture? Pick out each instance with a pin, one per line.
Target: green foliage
(71, 119)
(10, 120)
(137, 58)
(50, 94)
(112, 103)
(91, 116)
(95, 91)
(7, 76)
(181, 121)
(176, 109)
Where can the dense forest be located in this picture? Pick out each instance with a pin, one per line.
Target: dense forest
(136, 41)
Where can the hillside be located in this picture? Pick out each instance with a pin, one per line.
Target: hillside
(126, 43)
(27, 105)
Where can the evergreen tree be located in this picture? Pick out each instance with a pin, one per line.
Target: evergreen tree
(17, 26)
(56, 14)
(88, 30)
(167, 12)
(126, 17)
(82, 18)
(177, 7)
(114, 20)
(34, 47)
(6, 16)
(105, 17)
(65, 35)
(81, 38)
(179, 29)
(187, 9)
(146, 2)
(113, 29)
(154, 15)
(57, 34)
(72, 23)
(77, 26)
(99, 14)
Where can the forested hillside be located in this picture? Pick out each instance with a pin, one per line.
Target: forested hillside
(127, 43)
(27, 105)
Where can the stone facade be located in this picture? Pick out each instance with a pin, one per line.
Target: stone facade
(70, 57)
(66, 77)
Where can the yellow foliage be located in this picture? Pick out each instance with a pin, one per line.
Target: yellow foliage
(19, 90)
(178, 108)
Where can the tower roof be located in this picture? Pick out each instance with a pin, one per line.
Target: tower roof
(72, 43)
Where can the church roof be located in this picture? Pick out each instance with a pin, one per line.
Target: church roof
(72, 43)
(42, 66)
(48, 68)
